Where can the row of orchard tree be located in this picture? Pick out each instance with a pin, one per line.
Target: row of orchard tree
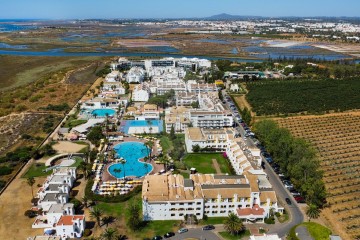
(297, 159)
(312, 96)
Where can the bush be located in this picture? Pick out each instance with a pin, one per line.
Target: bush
(270, 220)
(5, 170)
(30, 213)
(87, 232)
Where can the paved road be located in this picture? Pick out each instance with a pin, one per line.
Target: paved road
(303, 233)
(197, 233)
(296, 216)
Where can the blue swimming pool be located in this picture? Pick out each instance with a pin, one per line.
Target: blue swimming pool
(131, 152)
(103, 112)
(126, 125)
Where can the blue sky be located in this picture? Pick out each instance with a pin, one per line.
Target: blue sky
(70, 9)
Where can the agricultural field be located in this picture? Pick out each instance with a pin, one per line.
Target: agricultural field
(337, 140)
(279, 97)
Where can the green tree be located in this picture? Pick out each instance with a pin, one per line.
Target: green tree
(85, 201)
(196, 148)
(123, 161)
(31, 181)
(149, 145)
(312, 211)
(172, 135)
(96, 213)
(95, 135)
(134, 221)
(233, 224)
(109, 234)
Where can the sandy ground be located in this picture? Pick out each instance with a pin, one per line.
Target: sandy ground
(13, 203)
(68, 147)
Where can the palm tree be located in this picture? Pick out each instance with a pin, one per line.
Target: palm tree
(31, 181)
(149, 145)
(83, 167)
(109, 234)
(312, 211)
(85, 200)
(107, 220)
(123, 161)
(146, 166)
(96, 214)
(233, 224)
(117, 170)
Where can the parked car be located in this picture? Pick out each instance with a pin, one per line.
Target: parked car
(299, 199)
(183, 230)
(208, 227)
(169, 235)
(295, 194)
(157, 238)
(288, 201)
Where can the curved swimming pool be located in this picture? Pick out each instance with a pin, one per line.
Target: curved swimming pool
(103, 112)
(131, 152)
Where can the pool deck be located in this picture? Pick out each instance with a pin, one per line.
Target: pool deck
(106, 176)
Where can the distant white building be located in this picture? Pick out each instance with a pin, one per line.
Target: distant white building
(113, 76)
(234, 87)
(141, 93)
(178, 118)
(135, 75)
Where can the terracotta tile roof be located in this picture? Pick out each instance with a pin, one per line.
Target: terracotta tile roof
(255, 210)
(69, 219)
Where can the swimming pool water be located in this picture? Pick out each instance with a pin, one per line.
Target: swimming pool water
(103, 112)
(131, 152)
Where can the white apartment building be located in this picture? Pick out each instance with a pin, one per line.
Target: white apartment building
(135, 75)
(171, 197)
(201, 87)
(185, 98)
(113, 88)
(161, 88)
(70, 226)
(236, 156)
(147, 112)
(141, 93)
(113, 76)
(211, 119)
(177, 117)
(215, 139)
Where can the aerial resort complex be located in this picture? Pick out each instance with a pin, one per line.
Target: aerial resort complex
(149, 120)
(132, 120)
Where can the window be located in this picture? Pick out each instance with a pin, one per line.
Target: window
(173, 214)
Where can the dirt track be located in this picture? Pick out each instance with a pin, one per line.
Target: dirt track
(13, 203)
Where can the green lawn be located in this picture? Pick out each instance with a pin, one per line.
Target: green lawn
(203, 162)
(228, 236)
(74, 123)
(213, 220)
(155, 228)
(36, 170)
(166, 144)
(113, 209)
(317, 231)
(152, 228)
(78, 160)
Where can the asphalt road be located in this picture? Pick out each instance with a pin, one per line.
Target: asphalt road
(197, 233)
(296, 216)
